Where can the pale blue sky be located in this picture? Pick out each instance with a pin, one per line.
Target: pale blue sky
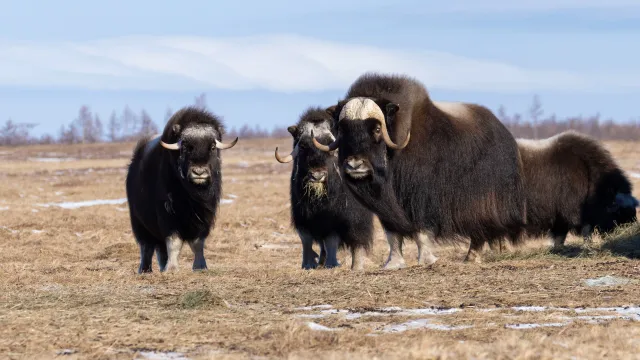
(264, 62)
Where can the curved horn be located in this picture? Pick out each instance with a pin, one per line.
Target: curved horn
(387, 139)
(289, 158)
(222, 146)
(175, 146)
(327, 148)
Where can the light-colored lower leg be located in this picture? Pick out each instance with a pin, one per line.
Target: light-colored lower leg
(395, 260)
(475, 252)
(357, 258)
(197, 246)
(425, 244)
(174, 245)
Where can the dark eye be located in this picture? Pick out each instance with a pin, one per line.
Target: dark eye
(377, 130)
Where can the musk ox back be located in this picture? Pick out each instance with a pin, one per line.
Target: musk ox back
(173, 187)
(322, 209)
(573, 184)
(449, 170)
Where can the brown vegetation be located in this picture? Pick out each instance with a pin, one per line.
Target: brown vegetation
(69, 283)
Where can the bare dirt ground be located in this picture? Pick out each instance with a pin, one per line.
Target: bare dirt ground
(69, 288)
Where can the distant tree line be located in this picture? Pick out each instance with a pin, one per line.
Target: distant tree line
(88, 128)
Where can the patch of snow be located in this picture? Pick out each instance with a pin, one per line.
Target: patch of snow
(121, 209)
(635, 175)
(37, 231)
(79, 204)
(34, 210)
(534, 325)
(421, 324)
(307, 308)
(4, 208)
(318, 327)
(157, 355)
(232, 196)
(607, 281)
(243, 164)
(226, 201)
(9, 230)
(59, 193)
(65, 352)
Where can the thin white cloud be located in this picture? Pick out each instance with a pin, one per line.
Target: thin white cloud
(285, 63)
(531, 5)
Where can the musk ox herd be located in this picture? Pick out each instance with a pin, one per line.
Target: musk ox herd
(433, 172)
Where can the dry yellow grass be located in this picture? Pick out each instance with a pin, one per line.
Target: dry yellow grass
(69, 286)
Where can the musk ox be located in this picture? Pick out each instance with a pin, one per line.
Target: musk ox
(449, 170)
(173, 187)
(322, 210)
(573, 184)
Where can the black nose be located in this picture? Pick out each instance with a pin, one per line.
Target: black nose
(198, 171)
(318, 175)
(354, 164)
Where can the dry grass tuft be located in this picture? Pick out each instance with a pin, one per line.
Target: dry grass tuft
(200, 299)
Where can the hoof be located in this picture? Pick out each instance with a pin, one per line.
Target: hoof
(394, 266)
(428, 260)
(309, 265)
(329, 265)
(473, 259)
(144, 271)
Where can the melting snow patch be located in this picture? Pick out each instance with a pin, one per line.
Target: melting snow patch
(154, 355)
(37, 231)
(4, 208)
(232, 196)
(635, 175)
(314, 307)
(533, 326)
(607, 281)
(421, 324)
(226, 201)
(318, 327)
(75, 205)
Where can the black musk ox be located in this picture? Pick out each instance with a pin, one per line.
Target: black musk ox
(573, 184)
(323, 211)
(173, 188)
(448, 170)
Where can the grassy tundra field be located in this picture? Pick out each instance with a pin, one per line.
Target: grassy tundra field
(69, 287)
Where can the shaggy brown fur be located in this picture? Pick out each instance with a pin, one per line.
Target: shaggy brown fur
(573, 184)
(460, 176)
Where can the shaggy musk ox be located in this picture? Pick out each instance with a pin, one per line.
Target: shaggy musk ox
(173, 187)
(573, 184)
(449, 170)
(322, 209)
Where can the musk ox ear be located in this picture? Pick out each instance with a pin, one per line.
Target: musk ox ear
(292, 130)
(391, 109)
(331, 110)
(176, 129)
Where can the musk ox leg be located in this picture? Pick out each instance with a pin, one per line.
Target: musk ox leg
(146, 257)
(323, 255)
(174, 245)
(199, 263)
(558, 240)
(475, 251)
(357, 258)
(331, 246)
(587, 232)
(395, 260)
(161, 254)
(308, 255)
(424, 242)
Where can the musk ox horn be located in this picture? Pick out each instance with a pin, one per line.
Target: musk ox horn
(223, 146)
(361, 108)
(174, 146)
(327, 148)
(289, 158)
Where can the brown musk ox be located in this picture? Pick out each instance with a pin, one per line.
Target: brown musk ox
(573, 184)
(449, 170)
(173, 187)
(323, 211)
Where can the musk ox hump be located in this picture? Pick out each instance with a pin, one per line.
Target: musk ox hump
(361, 108)
(457, 110)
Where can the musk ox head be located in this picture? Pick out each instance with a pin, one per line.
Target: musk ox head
(193, 138)
(363, 138)
(311, 165)
(619, 212)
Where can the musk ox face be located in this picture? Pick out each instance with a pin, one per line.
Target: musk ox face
(196, 154)
(363, 138)
(621, 211)
(311, 165)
